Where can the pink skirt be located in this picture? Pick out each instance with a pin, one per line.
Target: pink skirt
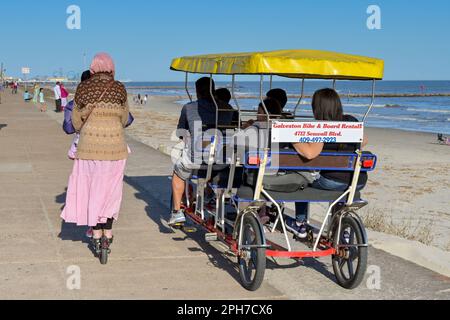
(94, 193)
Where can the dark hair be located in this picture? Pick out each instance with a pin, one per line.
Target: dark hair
(85, 75)
(326, 105)
(279, 95)
(203, 87)
(224, 95)
(272, 106)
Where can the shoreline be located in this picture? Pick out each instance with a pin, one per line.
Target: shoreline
(309, 96)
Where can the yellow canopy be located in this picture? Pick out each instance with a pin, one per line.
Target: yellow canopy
(313, 64)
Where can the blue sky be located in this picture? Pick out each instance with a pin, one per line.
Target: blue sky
(143, 36)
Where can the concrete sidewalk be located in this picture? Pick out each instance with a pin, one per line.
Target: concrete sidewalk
(148, 260)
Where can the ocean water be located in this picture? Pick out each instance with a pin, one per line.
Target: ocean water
(427, 114)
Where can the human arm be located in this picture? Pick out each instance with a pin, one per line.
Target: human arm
(130, 120)
(67, 125)
(77, 111)
(309, 150)
(183, 124)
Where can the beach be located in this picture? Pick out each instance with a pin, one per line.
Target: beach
(408, 193)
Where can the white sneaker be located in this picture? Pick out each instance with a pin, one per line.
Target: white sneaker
(177, 217)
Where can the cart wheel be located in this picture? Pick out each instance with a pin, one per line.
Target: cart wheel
(350, 268)
(252, 261)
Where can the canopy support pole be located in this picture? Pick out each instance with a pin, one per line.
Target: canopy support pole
(213, 145)
(301, 97)
(371, 102)
(262, 167)
(233, 83)
(186, 86)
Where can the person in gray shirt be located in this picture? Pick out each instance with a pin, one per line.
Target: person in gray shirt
(195, 118)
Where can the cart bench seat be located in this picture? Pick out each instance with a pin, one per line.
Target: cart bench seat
(245, 194)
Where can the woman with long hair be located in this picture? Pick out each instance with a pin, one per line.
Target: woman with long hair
(326, 106)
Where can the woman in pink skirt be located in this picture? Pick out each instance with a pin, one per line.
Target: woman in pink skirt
(100, 115)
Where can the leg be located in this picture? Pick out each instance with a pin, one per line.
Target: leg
(301, 211)
(177, 216)
(98, 231)
(107, 228)
(178, 186)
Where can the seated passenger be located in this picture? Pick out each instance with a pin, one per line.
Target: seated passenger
(326, 106)
(194, 116)
(273, 108)
(224, 95)
(279, 95)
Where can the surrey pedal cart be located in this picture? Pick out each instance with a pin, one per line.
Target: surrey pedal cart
(231, 215)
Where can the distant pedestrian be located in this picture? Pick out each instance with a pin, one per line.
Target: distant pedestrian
(14, 87)
(139, 99)
(64, 95)
(57, 91)
(43, 106)
(145, 99)
(36, 92)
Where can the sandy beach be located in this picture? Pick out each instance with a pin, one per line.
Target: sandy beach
(408, 192)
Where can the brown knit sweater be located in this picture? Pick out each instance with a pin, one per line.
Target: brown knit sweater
(102, 137)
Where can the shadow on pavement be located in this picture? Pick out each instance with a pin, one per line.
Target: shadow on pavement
(157, 210)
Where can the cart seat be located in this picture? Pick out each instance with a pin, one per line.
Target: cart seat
(245, 194)
(219, 178)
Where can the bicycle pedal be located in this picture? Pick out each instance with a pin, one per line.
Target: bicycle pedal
(210, 237)
(189, 229)
(178, 226)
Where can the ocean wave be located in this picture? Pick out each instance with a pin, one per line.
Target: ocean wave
(363, 105)
(428, 110)
(401, 118)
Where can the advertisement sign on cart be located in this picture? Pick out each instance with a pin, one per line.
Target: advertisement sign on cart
(317, 131)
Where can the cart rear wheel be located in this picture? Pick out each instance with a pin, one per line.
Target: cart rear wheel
(252, 261)
(350, 266)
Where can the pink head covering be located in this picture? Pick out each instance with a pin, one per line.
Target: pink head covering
(102, 62)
